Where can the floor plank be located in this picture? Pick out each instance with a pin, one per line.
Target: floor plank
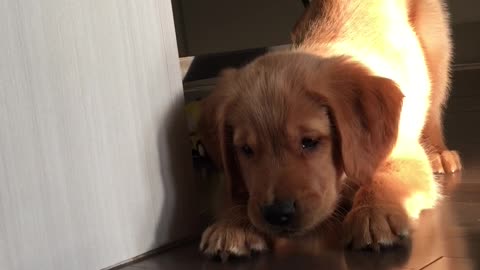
(451, 264)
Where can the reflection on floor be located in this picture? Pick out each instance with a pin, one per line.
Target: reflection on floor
(447, 237)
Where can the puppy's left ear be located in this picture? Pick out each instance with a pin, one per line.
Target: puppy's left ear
(217, 135)
(366, 111)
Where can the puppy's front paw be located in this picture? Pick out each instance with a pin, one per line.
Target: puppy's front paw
(227, 240)
(375, 226)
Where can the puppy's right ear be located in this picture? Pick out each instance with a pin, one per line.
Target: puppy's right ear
(366, 113)
(217, 134)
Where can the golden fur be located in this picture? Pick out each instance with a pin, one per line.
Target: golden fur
(366, 80)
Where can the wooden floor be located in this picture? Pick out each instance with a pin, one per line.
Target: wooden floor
(447, 237)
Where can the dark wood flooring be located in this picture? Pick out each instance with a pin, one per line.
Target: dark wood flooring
(447, 237)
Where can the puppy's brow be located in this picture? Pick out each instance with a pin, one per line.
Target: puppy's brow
(319, 126)
(314, 133)
(244, 136)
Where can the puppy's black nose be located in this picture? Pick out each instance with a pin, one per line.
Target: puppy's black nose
(279, 213)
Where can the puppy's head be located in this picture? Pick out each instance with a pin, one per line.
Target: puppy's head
(287, 126)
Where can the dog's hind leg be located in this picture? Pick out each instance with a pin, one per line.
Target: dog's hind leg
(429, 18)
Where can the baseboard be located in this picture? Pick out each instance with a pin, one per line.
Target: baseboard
(469, 66)
(153, 252)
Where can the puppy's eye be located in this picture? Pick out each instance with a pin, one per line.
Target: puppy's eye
(247, 150)
(309, 143)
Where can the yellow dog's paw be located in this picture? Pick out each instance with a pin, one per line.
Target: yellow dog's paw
(446, 162)
(226, 240)
(375, 226)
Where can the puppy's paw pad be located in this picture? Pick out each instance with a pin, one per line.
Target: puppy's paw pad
(227, 241)
(375, 226)
(446, 162)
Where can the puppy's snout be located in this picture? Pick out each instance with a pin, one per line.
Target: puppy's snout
(279, 213)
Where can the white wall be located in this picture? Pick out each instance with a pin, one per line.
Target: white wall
(94, 160)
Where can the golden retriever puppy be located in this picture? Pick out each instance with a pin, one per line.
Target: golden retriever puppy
(361, 95)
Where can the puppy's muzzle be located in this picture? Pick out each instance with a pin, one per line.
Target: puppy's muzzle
(280, 213)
